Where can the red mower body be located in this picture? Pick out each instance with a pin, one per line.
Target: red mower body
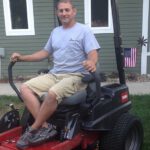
(9, 138)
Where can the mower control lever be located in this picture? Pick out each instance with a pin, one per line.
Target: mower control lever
(97, 80)
(10, 77)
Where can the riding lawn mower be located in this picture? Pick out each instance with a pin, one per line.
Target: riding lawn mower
(97, 118)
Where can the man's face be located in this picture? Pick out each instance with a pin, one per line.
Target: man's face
(66, 13)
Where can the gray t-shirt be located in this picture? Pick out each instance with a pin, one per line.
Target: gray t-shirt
(69, 48)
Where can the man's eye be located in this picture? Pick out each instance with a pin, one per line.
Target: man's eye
(63, 10)
(67, 10)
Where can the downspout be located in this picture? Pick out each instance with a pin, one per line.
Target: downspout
(2, 54)
(145, 35)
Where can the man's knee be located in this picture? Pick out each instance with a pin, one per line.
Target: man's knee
(23, 88)
(51, 97)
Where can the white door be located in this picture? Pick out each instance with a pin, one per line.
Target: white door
(145, 55)
(148, 63)
(148, 57)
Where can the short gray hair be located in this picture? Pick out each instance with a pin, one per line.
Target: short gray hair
(64, 1)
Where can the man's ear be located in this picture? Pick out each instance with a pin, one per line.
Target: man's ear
(75, 11)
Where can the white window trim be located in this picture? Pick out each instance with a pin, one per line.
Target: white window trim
(87, 15)
(8, 23)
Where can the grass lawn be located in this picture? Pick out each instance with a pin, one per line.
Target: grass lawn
(140, 107)
(5, 101)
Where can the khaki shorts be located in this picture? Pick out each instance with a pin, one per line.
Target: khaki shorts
(63, 85)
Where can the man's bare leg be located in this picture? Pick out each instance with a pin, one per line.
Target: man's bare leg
(47, 108)
(30, 100)
(41, 114)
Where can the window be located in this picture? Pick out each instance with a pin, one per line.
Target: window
(18, 15)
(98, 15)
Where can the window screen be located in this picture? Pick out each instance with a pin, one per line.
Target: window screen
(99, 13)
(18, 10)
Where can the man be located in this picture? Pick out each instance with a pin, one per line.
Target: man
(74, 51)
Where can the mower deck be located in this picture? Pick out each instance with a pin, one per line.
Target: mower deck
(9, 138)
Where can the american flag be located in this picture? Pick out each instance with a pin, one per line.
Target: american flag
(130, 57)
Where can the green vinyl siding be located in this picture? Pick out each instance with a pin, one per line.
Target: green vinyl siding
(130, 13)
(131, 27)
(45, 21)
(107, 53)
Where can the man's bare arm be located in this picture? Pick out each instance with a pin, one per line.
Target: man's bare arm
(37, 56)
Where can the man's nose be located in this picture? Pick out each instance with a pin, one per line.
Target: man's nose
(63, 12)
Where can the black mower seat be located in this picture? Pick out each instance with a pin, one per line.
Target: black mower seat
(75, 99)
(80, 96)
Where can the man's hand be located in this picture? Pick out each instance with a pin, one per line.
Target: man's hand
(15, 57)
(89, 65)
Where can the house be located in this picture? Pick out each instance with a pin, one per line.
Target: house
(26, 25)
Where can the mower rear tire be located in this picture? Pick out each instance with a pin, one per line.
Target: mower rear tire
(127, 134)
